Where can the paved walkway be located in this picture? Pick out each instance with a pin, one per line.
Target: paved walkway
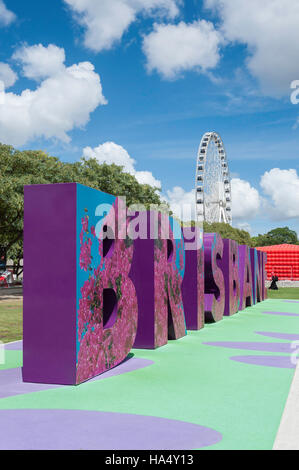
(288, 433)
(10, 298)
(223, 387)
(11, 293)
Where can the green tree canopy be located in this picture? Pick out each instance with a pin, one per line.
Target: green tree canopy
(277, 236)
(227, 231)
(20, 168)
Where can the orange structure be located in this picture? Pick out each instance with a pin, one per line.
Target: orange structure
(283, 261)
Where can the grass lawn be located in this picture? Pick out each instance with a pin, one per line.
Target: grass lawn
(284, 293)
(11, 320)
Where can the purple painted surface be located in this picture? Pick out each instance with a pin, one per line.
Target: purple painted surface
(282, 313)
(87, 430)
(270, 347)
(11, 384)
(287, 336)
(281, 362)
(128, 365)
(18, 346)
(49, 354)
(11, 379)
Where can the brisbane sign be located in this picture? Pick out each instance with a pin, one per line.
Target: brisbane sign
(100, 280)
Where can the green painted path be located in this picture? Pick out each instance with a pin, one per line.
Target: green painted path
(194, 382)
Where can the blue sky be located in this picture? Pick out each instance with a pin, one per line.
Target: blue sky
(156, 75)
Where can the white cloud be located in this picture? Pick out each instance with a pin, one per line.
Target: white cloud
(105, 21)
(270, 30)
(109, 153)
(244, 226)
(7, 75)
(182, 203)
(146, 177)
(6, 16)
(40, 62)
(171, 49)
(59, 104)
(282, 202)
(245, 200)
(282, 186)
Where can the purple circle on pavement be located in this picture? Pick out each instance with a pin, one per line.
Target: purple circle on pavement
(11, 382)
(16, 346)
(286, 314)
(252, 346)
(88, 430)
(128, 365)
(287, 336)
(281, 362)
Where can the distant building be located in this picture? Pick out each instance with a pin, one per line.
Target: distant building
(282, 261)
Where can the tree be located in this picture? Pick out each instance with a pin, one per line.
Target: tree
(112, 179)
(227, 231)
(277, 236)
(15, 253)
(20, 168)
(16, 170)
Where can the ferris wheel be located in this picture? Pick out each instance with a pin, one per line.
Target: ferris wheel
(212, 185)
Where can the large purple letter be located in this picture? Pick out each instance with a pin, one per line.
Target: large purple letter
(257, 276)
(262, 260)
(214, 280)
(80, 307)
(229, 265)
(193, 282)
(245, 277)
(157, 272)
